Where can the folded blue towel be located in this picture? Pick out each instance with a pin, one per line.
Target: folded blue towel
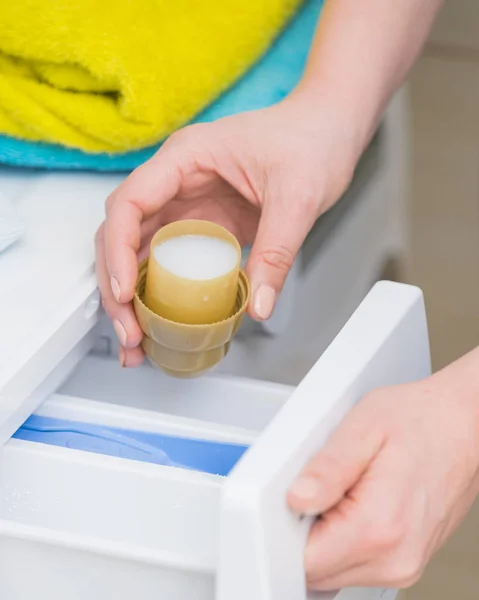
(266, 83)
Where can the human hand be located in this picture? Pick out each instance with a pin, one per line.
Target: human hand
(265, 175)
(393, 482)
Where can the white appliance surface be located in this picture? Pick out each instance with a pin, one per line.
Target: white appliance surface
(48, 296)
(85, 526)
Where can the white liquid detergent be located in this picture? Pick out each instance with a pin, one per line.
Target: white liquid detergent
(197, 257)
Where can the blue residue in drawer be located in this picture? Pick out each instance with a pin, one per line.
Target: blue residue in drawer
(206, 456)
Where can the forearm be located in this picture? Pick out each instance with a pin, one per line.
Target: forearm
(361, 55)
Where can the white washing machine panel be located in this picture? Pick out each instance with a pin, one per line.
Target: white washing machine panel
(86, 526)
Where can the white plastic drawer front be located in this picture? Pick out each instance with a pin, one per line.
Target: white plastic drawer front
(87, 526)
(261, 542)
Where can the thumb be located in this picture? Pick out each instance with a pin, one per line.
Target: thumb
(281, 232)
(337, 468)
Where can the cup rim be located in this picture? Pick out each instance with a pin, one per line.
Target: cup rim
(185, 227)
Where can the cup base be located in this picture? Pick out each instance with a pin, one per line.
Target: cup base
(183, 350)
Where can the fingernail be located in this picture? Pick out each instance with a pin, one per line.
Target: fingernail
(264, 301)
(121, 356)
(115, 288)
(120, 332)
(306, 488)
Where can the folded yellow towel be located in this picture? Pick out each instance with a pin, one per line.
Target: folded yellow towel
(118, 75)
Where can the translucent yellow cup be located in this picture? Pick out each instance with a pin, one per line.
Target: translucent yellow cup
(188, 324)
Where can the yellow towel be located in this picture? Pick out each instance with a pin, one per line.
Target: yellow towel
(118, 75)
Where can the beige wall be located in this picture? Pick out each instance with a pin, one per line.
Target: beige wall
(445, 236)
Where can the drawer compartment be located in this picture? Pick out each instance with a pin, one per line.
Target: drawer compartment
(87, 516)
(216, 399)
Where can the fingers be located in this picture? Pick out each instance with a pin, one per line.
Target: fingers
(120, 240)
(371, 575)
(352, 535)
(141, 195)
(364, 485)
(338, 467)
(131, 357)
(122, 315)
(366, 540)
(282, 229)
(331, 554)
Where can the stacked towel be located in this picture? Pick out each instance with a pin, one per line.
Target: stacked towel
(267, 82)
(118, 75)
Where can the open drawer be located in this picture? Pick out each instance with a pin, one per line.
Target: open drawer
(86, 525)
(90, 524)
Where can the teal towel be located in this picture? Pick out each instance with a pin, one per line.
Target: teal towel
(268, 82)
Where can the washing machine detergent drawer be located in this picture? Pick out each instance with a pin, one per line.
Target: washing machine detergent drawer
(128, 484)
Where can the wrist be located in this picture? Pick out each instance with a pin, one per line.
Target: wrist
(355, 121)
(463, 376)
(458, 385)
(331, 135)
